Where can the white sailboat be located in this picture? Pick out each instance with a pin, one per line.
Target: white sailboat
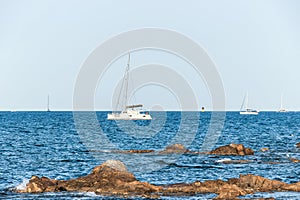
(129, 112)
(282, 109)
(245, 110)
(48, 102)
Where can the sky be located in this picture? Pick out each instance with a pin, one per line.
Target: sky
(254, 44)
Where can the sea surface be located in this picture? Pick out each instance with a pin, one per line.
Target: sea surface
(64, 145)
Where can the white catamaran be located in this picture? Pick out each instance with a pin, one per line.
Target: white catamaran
(129, 112)
(244, 108)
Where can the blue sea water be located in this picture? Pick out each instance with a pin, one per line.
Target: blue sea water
(53, 144)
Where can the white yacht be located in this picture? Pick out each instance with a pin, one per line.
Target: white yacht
(245, 110)
(129, 112)
(282, 109)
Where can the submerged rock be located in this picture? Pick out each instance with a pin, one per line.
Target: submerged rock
(294, 160)
(229, 161)
(264, 149)
(232, 149)
(137, 151)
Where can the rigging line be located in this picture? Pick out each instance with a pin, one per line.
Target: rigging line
(121, 91)
(131, 83)
(242, 106)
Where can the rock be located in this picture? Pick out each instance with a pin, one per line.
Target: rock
(113, 179)
(110, 178)
(230, 192)
(232, 149)
(298, 145)
(235, 161)
(292, 187)
(175, 148)
(258, 183)
(38, 185)
(248, 151)
(294, 160)
(137, 151)
(264, 149)
(112, 164)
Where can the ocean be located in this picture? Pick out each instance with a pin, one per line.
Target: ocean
(64, 145)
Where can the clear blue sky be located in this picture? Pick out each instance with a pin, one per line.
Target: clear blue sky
(255, 45)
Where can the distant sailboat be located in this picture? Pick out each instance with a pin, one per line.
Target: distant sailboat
(48, 102)
(129, 112)
(244, 108)
(282, 109)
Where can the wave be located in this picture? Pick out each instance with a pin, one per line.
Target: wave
(22, 186)
(223, 160)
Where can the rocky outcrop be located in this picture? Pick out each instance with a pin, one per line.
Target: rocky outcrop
(257, 183)
(136, 151)
(110, 178)
(232, 149)
(230, 192)
(175, 148)
(113, 179)
(231, 189)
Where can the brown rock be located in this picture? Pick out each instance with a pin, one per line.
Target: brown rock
(235, 161)
(137, 151)
(230, 192)
(233, 149)
(225, 150)
(38, 185)
(259, 183)
(111, 165)
(112, 178)
(292, 187)
(248, 151)
(294, 160)
(175, 148)
(264, 149)
(213, 185)
(298, 144)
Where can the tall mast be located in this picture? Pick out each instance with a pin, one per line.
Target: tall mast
(126, 81)
(48, 109)
(246, 101)
(243, 104)
(281, 104)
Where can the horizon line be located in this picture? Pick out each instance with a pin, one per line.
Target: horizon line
(103, 110)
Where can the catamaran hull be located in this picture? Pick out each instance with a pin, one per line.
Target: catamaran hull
(128, 117)
(249, 113)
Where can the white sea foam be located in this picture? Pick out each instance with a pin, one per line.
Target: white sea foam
(223, 160)
(22, 186)
(91, 194)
